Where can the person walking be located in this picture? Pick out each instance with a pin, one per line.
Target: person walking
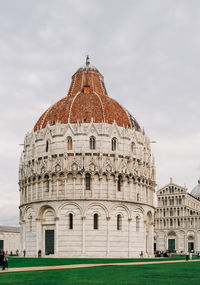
(4, 261)
(1, 257)
(24, 252)
(187, 256)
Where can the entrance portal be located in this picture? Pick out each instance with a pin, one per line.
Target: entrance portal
(49, 241)
(190, 246)
(171, 245)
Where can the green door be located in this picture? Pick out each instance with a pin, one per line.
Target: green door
(49, 241)
(190, 246)
(171, 245)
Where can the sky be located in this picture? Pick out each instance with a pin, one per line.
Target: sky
(148, 52)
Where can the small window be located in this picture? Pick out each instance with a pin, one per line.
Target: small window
(119, 182)
(87, 181)
(138, 197)
(171, 222)
(96, 221)
(92, 143)
(179, 223)
(180, 201)
(71, 221)
(164, 212)
(119, 222)
(164, 223)
(171, 212)
(114, 144)
(137, 224)
(69, 143)
(47, 146)
(178, 212)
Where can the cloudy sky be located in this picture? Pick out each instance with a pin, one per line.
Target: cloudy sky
(148, 52)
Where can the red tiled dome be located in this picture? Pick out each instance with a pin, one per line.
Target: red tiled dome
(87, 100)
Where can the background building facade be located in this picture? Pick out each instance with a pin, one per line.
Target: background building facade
(177, 219)
(10, 239)
(87, 177)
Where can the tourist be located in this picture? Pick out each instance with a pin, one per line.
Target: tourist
(187, 256)
(6, 259)
(24, 253)
(141, 254)
(1, 257)
(39, 253)
(190, 255)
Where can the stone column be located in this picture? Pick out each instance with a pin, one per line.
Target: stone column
(36, 189)
(100, 186)
(83, 186)
(31, 190)
(65, 187)
(129, 236)
(56, 234)
(38, 236)
(42, 181)
(50, 187)
(108, 237)
(57, 185)
(83, 235)
(108, 186)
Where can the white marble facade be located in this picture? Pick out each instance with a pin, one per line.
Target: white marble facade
(10, 239)
(62, 178)
(177, 220)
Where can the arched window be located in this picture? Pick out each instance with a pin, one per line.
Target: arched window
(138, 197)
(87, 181)
(46, 183)
(119, 222)
(96, 221)
(71, 221)
(92, 143)
(114, 144)
(137, 224)
(133, 148)
(119, 182)
(30, 223)
(69, 143)
(47, 146)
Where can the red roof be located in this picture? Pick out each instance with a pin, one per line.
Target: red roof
(87, 98)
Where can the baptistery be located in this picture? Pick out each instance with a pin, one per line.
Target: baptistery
(87, 177)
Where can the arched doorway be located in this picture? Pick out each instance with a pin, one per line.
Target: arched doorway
(48, 221)
(172, 241)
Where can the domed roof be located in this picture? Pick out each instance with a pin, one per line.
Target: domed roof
(87, 100)
(196, 191)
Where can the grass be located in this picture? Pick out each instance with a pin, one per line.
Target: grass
(169, 274)
(30, 262)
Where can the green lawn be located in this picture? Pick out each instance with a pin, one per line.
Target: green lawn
(170, 274)
(29, 262)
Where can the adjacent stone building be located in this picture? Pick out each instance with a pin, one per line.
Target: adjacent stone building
(87, 177)
(10, 238)
(177, 219)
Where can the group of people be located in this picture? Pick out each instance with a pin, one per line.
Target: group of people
(3, 259)
(160, 253)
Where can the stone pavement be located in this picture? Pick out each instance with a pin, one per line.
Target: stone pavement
(39, 268)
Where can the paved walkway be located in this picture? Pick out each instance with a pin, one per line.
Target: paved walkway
(39, 268)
